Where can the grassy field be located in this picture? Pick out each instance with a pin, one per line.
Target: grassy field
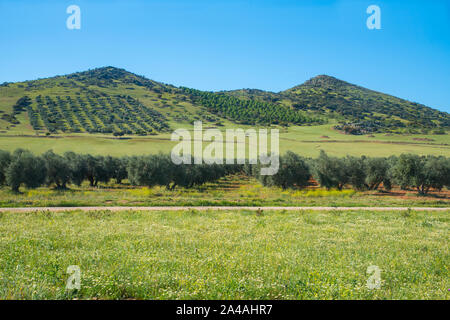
(306, 141)
(235, 190)
(224, 255)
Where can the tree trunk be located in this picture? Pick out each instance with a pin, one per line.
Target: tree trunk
(418, 190)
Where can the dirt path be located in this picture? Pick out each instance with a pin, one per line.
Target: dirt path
(58, 209)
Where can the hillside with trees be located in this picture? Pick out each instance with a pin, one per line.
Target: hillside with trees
(114, 101)
(358, 110)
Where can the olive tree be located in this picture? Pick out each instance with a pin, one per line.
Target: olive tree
(25, 168)
(58, 169)
(293, 172)
(421, 172)
(377, 173)
(355, 169)
(331, 172)
(78, 168)
(5, 160)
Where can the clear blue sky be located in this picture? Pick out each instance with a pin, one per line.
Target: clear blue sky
(230, 44)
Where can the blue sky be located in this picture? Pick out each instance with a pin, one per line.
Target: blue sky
(230, 44)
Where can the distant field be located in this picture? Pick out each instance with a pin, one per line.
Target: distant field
(307, 141)
(224, 255)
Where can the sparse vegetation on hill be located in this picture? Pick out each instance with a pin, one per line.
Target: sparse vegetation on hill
(370, 109)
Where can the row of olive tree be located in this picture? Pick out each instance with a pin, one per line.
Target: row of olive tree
(160, 170)
(407, 171)
(361, 173)
(23, 168)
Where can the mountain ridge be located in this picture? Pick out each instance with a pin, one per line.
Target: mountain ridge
(110, 100)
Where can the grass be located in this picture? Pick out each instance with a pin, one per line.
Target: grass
(306, 141)
(229, 191)
(224, 255)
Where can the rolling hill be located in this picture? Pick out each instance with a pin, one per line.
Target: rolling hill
(110, 100)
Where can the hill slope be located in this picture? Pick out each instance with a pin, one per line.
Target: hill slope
(112, 100)
(354, 106)
(358, 104)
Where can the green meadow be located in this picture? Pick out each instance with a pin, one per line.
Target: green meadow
(234, 254)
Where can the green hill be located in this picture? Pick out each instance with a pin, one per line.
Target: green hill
(359, 110)
(114, 101)
(363, 106)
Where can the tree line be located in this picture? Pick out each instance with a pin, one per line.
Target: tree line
(23, 168)
(408, 171)
(422, 173)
